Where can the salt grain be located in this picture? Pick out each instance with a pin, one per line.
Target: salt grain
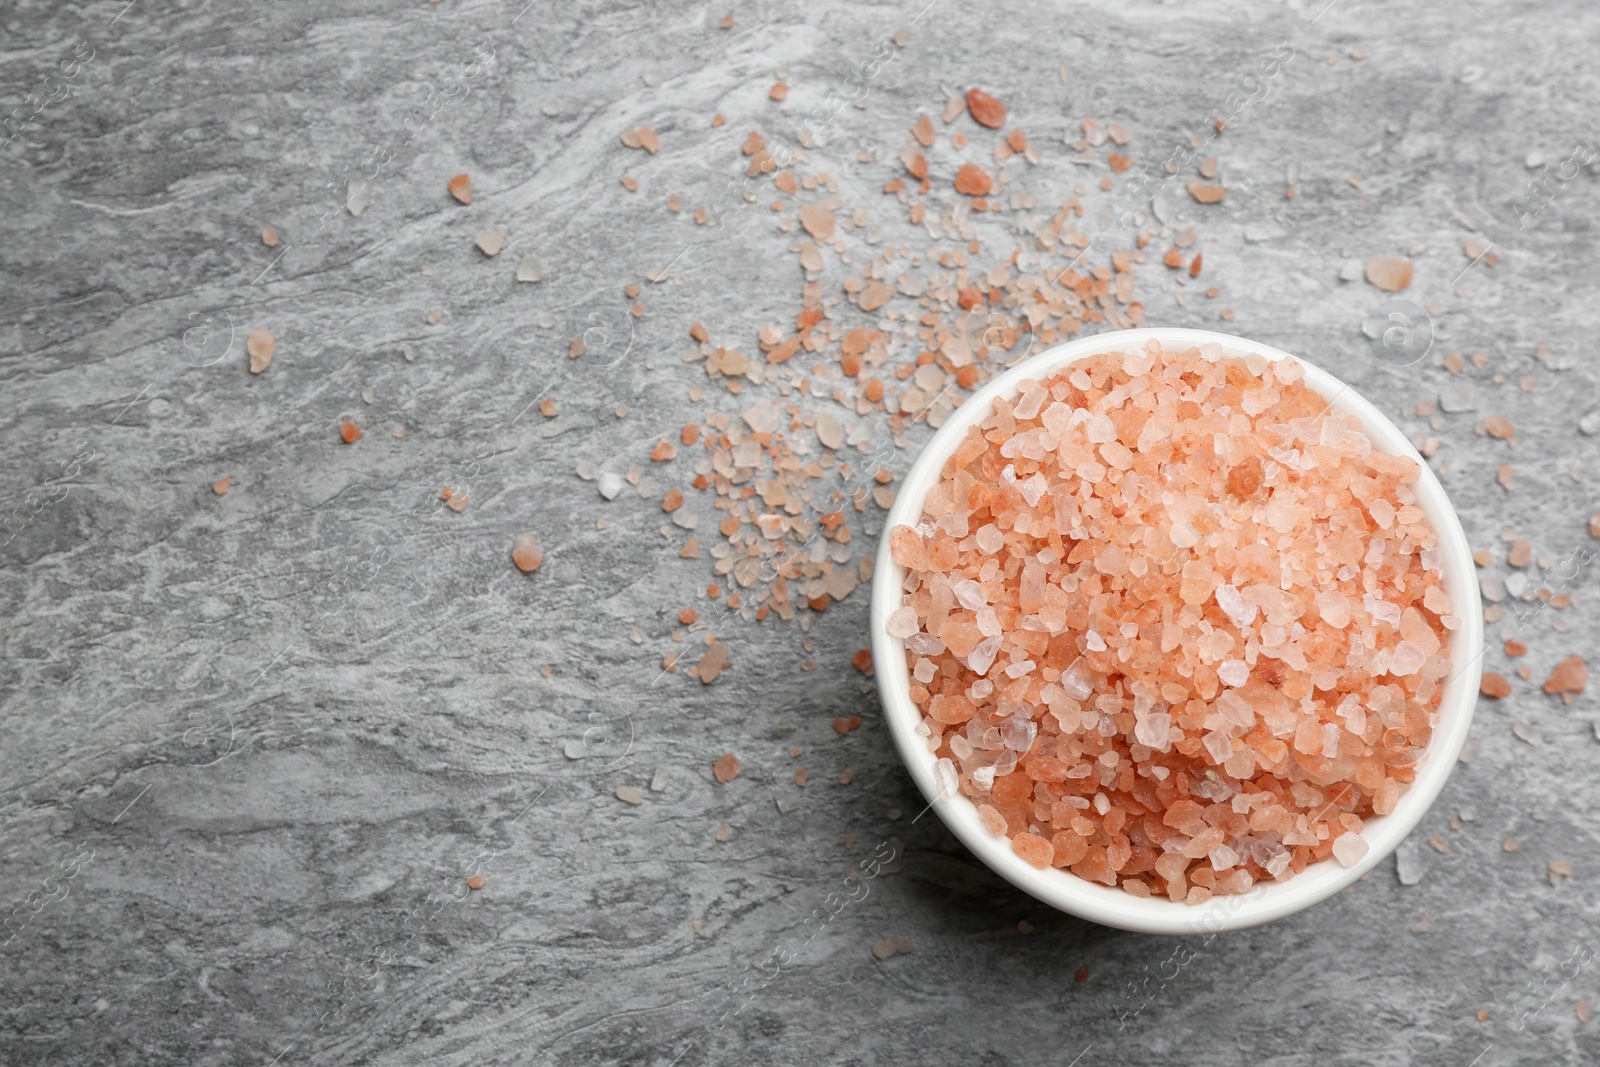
(358, 194)
(1389, 274)
(903, 622)
(526, 553)
(726, 769)
(1571, 675)
(1408, 863)
(260, 346)
(1239, 611)
(1349, 848)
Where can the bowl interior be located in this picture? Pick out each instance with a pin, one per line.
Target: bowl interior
(1114, 907)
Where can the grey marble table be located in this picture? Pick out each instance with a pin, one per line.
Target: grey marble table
(255, 744)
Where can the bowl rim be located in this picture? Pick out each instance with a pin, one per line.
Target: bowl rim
(1111, 906)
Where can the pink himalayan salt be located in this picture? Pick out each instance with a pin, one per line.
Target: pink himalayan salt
(1349, 848)
(526, 553)
(1033, 849)
(1571, 675)
(1177, 625)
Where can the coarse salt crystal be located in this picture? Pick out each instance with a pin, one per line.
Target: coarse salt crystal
(1282, 516)
(1101, 429)
(1236, 709)
(1152, 730)
(1348, 848)
(1018, 733)
(1239, 610)
(970, 594)
(988, 623)
(982, 656)
(1219, 745)
(1330, 741)
(1334, 608)
(1234, 672)
(1183, 535)
(903, 622)
(1076, 680)
(1031, 402)
(1381, 610)
(1222, 857)
(1406, 659)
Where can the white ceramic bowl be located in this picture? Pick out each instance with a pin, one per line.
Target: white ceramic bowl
(1104, 904)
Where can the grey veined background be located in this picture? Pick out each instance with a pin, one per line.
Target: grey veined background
(254, 744)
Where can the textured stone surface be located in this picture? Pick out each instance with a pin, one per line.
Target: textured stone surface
(257, 742)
